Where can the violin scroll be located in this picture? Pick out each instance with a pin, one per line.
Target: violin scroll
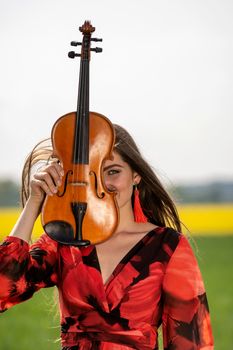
(87, 30)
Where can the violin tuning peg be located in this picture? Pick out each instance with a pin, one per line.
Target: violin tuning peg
(97, 49)
(96, 39)
(75, 43)
(72, 54)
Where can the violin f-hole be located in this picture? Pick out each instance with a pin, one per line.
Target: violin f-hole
(61, 194)
(102, 194)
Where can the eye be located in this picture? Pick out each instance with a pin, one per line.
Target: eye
(113, 172)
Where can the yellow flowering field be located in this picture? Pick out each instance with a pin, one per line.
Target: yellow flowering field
(200, 219)
(207, 219)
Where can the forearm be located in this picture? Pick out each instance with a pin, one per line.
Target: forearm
(25, 269)
(24, 225)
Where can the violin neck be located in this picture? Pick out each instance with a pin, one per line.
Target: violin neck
(81, 142)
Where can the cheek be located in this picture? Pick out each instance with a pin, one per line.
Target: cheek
(124, 191)
(124, 185)
(112, 183)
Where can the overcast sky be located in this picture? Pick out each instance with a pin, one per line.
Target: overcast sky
(166, 74)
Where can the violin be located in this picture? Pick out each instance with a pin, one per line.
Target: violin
(83, 211)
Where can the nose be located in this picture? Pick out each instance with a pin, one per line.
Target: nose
(109, 185)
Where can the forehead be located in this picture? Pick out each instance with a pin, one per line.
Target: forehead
(115, 160)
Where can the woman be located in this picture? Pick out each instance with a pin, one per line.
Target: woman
(116, 294)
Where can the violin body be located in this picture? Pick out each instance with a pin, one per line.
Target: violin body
(83, 183)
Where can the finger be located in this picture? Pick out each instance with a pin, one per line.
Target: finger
(46, 181)
(55, 170)
(58, 166)
(40, 186)
(55, 175)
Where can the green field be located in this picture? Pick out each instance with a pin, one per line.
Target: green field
(35, 325)
(216, 263)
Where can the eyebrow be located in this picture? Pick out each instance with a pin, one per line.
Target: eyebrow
(111, 166)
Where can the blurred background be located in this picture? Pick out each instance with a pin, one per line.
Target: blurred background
(166, 75)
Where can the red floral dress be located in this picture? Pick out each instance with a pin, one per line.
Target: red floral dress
(157, 282)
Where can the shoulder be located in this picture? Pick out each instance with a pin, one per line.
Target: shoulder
(173, 243)
(164, 241)
(167, 235)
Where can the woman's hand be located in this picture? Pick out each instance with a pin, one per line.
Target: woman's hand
(46, 181)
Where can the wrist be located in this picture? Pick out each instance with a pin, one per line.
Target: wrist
(24, 225)
(34, 205)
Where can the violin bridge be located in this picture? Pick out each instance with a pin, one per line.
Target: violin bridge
(78, 183)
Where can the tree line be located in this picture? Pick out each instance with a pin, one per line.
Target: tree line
(215, 192)
(9, 193)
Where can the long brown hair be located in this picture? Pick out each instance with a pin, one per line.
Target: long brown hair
(40, 154)
(156, 203)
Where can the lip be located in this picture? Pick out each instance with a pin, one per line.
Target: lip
(111, 189)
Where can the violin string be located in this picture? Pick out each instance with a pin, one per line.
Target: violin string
(77, 128)
(85, 150)
(81, 136)
(86, 94)
(84, 121)
(85, 136)
(83, 116)
(80, 118)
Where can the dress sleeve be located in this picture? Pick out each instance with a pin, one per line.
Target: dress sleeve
(186, 319)
(25, 269)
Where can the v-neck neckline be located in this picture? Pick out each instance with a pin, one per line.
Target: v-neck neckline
(124, 260)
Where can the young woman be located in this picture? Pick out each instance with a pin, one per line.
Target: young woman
(115, 294)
